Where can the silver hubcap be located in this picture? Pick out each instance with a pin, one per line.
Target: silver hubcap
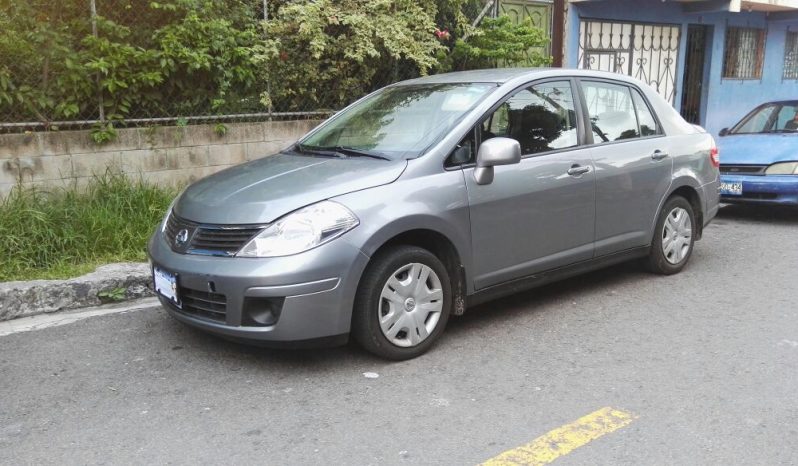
(410, 305)
(677, 234)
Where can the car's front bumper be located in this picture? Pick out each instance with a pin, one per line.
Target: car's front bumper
(763, 189)
(307, 297)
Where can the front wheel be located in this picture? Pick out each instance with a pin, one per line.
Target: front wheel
(402, 304)
(674, 237)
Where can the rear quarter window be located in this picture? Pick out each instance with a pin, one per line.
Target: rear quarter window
(648, 124)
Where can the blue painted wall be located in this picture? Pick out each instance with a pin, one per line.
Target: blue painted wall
(726, 100)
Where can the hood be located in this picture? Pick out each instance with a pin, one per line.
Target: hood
(265, 189)
(758, 149)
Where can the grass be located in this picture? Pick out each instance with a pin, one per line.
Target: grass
(64, 233)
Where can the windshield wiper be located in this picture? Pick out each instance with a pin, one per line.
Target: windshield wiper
(339, 151)
(354, 152)
(318, 151)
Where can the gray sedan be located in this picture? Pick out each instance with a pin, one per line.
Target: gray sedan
(431, 195)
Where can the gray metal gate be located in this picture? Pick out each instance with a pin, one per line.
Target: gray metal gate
(646, 51)
(538, 11)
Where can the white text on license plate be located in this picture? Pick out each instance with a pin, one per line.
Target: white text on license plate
(731, 188)
(166, 284)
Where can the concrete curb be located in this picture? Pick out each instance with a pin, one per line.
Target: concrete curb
(108, 283)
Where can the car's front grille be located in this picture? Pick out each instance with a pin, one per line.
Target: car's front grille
(203, 304)
(743, 169)
(189, 237)
(760, 196)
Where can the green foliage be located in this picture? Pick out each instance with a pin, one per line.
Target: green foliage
(67, 232)
(42, 76)
(220, 129)
(162, 58)
(102, 133)
(208, 54)
(497, 41)
(112, 295)
(322, 53)
(205, 57)
(125, 73)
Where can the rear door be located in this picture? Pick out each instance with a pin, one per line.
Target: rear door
(632, 160)
(538, 214)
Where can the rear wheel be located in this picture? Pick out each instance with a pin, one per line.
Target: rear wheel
(402, 304)
(674, 237)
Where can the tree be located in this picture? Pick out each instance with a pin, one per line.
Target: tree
(498, 42)
(325, 53)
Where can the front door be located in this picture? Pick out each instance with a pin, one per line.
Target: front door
(633, 165)
(539, 214)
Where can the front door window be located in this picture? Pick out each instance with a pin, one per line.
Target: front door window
(541, 118)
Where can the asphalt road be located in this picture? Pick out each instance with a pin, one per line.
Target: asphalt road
(706, 360)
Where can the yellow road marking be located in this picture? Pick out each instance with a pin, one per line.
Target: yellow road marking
(565, 439)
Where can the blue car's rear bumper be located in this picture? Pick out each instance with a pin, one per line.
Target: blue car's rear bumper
(763, 189)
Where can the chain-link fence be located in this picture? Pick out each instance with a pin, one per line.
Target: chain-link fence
(88, 63)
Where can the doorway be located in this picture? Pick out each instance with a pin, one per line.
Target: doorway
(695, 73)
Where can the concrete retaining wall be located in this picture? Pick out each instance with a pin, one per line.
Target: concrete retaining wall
(162, 155)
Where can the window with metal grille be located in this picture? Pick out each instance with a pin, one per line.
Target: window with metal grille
(744, 54)
(646, 51)
(791, 56)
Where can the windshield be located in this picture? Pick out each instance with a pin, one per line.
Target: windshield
(398, 122)
(771, 118)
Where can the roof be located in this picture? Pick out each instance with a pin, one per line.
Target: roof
(493, 75)
(732, 6)
(503, 75)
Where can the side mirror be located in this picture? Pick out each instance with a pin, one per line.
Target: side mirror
(493, 152)
(723, 132)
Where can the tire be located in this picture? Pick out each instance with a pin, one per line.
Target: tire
(395, 316)
(676, 221)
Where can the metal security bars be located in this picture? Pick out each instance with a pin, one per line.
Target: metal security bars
(744, 53)
(791, 56)
(645, 51)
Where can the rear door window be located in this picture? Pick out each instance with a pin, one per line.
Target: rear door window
(611, 111)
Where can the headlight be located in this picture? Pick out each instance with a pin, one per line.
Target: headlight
(783, 168)
(299, 231)
(168, 213)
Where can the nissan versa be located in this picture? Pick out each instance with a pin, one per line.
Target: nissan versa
(430, 195)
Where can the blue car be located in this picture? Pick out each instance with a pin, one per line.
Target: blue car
(759, 156)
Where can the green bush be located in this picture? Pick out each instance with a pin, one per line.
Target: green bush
(499, 42)
(178, 58)
(68, 232)
(325, 53)
(153, 59)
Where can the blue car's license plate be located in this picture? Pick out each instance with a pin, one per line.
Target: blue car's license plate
(731, 188)
(165, 284)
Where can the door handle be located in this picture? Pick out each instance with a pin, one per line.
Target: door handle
(578, 170)
(659, 155)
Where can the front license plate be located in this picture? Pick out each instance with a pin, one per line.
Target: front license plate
(731, 188)
(166, 285)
